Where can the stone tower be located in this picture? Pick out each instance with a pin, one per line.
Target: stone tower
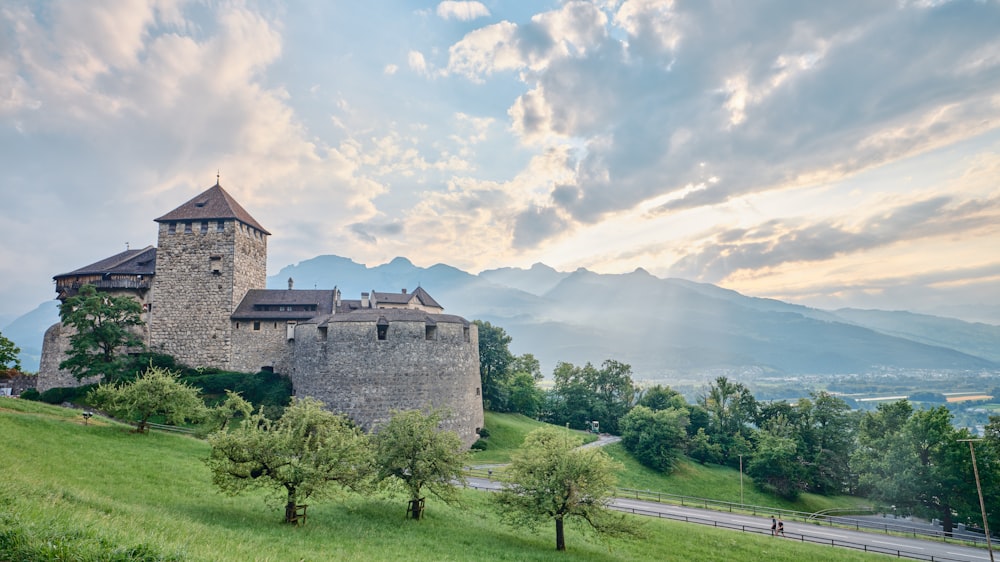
(210, 253)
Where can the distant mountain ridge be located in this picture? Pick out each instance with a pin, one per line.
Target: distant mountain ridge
(662, 327)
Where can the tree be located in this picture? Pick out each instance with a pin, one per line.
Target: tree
(523, 395)
(102, 325)
(413, 450)
(550, 480)
(157, 392)
(495, 360)
(733, 409)
(9, 355)
(586, 393)
(659, 397)
(527, 364)
(776, 465)
(918, 465)
(655, 438)
(234, 405)
(299, 456)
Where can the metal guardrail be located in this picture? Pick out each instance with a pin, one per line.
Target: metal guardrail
(801, 537)
(171, 428)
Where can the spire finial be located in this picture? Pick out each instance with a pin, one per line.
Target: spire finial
(217, 174)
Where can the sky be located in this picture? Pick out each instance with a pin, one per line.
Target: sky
(823, 153)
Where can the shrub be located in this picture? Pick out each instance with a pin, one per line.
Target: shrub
(484, 433)
(479, 445)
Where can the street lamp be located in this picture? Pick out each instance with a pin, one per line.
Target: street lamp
(979, 489)
(741, 480)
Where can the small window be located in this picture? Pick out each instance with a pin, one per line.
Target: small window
(430, 332)
(220, 226)
(477, 394)
(187, 228)
(172, 228)
(383, 332)
(204, 227)
(465, 334)
(256, 326)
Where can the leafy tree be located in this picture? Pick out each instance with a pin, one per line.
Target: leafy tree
(702, 449)
(919, 465)
(523, 395)
(661, 397)
(776, 465)
(655, 438)
(527, 364)
(733, 411)
(413, 450)
(234, 405)
(495, 360)
(827, 442)
(103, 325)
(9, 355)
(301, 455)
(550, 480)
(157, 392)
(586, 393)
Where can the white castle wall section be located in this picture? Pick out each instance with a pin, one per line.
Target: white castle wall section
(353, 372)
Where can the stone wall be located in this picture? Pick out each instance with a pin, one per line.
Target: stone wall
(267, 346)
(55, 343)
(354, 373)
(202, 274)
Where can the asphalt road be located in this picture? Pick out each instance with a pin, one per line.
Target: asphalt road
(904, 547)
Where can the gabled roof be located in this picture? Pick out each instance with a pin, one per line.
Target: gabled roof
(129, 262)
(212, 204)
(405, 298)
(272, 298)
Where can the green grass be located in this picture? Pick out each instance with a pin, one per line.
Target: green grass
(507, 432)
(98, 492)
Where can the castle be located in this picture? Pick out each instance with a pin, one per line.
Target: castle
(204, 302)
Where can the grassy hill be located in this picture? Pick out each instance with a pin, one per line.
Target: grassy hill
(98, 492)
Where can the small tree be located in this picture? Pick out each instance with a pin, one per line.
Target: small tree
(655, 438)
(157, 392)
(9, 355)
(412, 449)
(298, 456)
(103, 325)
(234, 405)
(549, 479)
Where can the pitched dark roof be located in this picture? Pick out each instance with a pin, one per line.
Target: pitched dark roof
(404, 298)
(271, 299)
(212, 204)
(129, 262)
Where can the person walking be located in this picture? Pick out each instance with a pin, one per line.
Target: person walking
(781, 527)
(774, 526)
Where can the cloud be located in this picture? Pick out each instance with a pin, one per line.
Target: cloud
(464, 11)
(777, 242)
(665, 96)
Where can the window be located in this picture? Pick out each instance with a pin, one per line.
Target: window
(465, 334)
(220, 226)
(383, 332)
(256, 326)
(204, 227)
(215, 265)
(430, 332)
(187, 228)
(172, 228)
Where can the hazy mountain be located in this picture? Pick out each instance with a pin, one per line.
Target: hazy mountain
(27, 331)
(972, 338)
(662, 327)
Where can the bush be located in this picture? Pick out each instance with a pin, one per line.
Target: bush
(479, 445)
(31, 394)
(65, 394)
(484, 433)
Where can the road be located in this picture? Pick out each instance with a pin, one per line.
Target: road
(805, 532)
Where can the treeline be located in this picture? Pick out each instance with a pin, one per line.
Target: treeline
(913, 460)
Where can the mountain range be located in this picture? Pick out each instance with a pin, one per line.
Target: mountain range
(663, 328)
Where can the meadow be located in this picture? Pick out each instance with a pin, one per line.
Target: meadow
(96, 491)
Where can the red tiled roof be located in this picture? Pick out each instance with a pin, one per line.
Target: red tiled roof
(212, 204)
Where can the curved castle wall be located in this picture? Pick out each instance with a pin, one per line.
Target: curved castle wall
(344, 364)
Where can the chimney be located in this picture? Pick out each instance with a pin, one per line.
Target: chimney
(364, 300)
(290, 283)
(404, 290)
